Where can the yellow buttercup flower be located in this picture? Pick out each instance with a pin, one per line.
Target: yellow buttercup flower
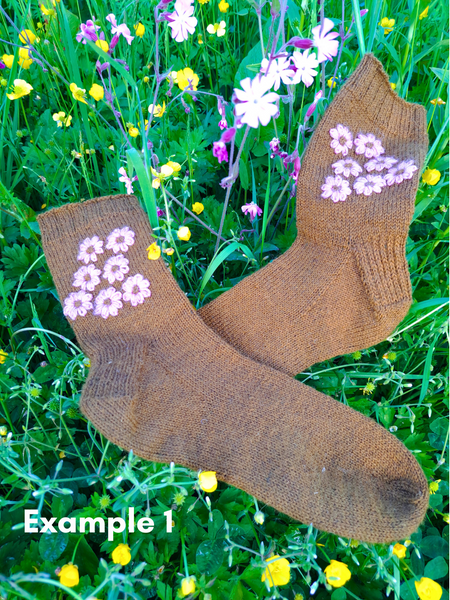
(399, 550)
(427, 589)
(435, 101)
(21, 88)
(200, 38)
(176, 167)
(217, 28)
(223, 6)
(165, 171)
(48, 12)
(69, 575)
(206, 479)
(446, 518)
(393, 85)
(133, 132)
(431, 176)
(3, 356)
(337, 573)
(24, 58)
(27, 36)
(103, 45)
(434, 485)
(158, 110)
(331, 82)
(278, 572)
(198, 208)
(78, 93)
(139, 29)
(187, 586)
(61, 119)
(8, 59)
(203, 1)
(153, 251)
(97, 92)
(387, 24)
(169, 251)
(187, 77)
(424, 14)
(3, 430)
(121, 555)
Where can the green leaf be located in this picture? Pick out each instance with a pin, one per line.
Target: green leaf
(243, 174)
(146, 186)
(209, 556)
(52, 545)
(442, 74)
(408, 590)
(339, 594)
(434, 546)
(436, 568)
(61, 506)
(216, 524)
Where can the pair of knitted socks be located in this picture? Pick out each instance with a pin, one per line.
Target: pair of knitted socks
(164, 384)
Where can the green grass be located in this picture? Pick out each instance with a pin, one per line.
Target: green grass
(51, 458)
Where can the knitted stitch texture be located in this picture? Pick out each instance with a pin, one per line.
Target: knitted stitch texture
(166, 386)
(344, 284)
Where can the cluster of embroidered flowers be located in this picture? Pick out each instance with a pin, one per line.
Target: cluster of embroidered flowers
(337, 187)
(109, 300)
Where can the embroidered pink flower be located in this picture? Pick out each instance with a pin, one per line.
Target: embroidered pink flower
(342, 139)
(380, 163)
(89, 248)
(368, 145)
(398, 173)
(77, 304)
(135, 289)
(86, 278)
(108, 303)
(336, 188)
(368, 184)
(347, 167)
(115, 268)
(120, 240)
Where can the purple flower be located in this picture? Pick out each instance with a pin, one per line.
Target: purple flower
(368, 145)
(347, 167)
(398, 173)
(77, 304)
(135, 290)
(305, 65)
(159, 212)
(274, 145)
(221, 108)
(342, 139)
(126, 180)
(2, 65)
(253, 104)
(182, 22)
(228, 135)
(116, 268)
(324, 40)
(120, 239)
(277, 71)
(252, 210)
(336, 188)
(369, 184)
(223, 124)
(119, 29)
(108, 303)
(86, 278)
(303, 43)
(380, 163)
(220, 151)
(89, 248)
(88, 32)
(296, 170)
(312, 106)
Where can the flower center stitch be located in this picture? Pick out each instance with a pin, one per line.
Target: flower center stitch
(335, 188)
(136, 289)
(342, 140)
(90, 250)
(107, 302)
(115, 268)
(87, 277)
(77, 303)
(120, 239)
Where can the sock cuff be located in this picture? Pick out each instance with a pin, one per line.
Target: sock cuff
(370, 85)
(68, 220)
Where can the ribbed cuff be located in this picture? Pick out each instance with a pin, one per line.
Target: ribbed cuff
(369, 84)
(70, 219)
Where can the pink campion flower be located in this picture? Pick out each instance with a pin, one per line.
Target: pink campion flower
(342, 139)
(277, 71)
(305, 65)
(368, 184)
(347, 167)
(298, 42)
(312, 107)
(274, 145)
(89, 248)
(223, 124)
(120, 29)
(127, 180)
(108, 303)
(220, 151)
(86, 278)
(159, 212)
(336, 188)
(252, 210)
(228, 135)
(88, 32)
(380, 163)
(368, 145)
(398, 173)
(181, 21)
(116, 268)
(253, 105)
(77, 304)
(296, 170)
(135, 290)
(324, 41)
(120, 239)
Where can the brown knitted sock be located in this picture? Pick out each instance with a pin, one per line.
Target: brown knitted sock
(344, 283)
(166, 386)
